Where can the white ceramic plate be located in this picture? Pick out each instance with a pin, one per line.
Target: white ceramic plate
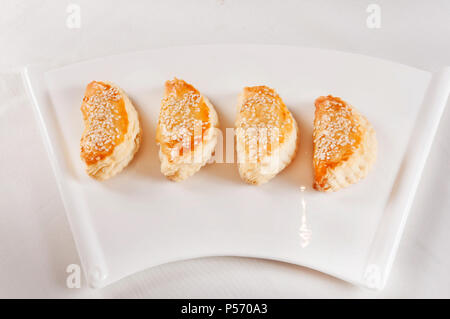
(139, 219)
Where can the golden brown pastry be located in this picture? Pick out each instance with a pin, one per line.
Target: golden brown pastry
(345, 144)
(187, 130)
(266, 134)
(112, 132)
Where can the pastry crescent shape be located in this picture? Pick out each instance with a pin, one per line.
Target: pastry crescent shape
(112, 132)
(266, 134)
(187, 130)
(345, 144)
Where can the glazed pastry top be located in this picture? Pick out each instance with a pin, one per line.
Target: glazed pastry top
(337, 133)
(106, 121)
(184, 118)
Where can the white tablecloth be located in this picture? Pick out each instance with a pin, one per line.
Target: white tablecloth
(36, 244)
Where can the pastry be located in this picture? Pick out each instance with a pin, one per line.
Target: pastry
(345, 145)
(266, 134)
(112, 133)
(187, 130)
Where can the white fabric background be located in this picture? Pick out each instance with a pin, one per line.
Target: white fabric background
(35, 240)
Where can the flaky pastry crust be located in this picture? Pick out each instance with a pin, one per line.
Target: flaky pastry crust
(112, 132)
(266, 134)
(345, 144)
(187, 130)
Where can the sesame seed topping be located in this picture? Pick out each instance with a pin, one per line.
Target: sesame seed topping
(104, 113)
(335, 130)
(263, 121)
(184, 117)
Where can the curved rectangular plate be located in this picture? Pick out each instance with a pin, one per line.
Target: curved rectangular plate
(139, 219)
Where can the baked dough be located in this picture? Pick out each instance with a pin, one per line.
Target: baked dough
(345, 144)
(187, 130)
(112, 132)
(266, 134)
